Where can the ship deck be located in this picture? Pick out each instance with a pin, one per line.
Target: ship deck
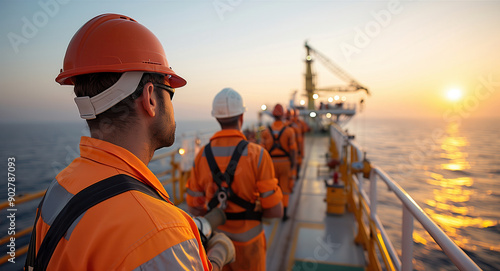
(312, 239)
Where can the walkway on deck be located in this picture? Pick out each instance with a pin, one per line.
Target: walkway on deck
(311, 239)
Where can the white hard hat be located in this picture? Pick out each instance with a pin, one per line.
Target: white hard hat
(227, 103)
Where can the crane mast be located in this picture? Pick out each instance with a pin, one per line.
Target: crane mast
(310, 86)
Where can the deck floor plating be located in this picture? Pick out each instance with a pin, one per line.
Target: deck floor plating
(311, 239)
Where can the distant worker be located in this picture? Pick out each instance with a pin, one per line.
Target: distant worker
(303, 124)
(280, 141)
(107, 210)
(304, 129)
(238, 176)
(291, 121)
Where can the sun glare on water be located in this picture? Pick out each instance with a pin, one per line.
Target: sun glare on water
(454, 94)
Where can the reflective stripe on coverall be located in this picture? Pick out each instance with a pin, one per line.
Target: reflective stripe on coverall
(131, 231)
(253, 179)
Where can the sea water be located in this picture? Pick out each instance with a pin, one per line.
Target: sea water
(451, 170)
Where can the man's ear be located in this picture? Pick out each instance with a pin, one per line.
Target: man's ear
(149, 100)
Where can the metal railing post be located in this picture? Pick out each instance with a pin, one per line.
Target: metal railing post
(407, 240)
(360, 180)
(373, 194)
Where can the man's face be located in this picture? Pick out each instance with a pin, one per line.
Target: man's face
(164, 126)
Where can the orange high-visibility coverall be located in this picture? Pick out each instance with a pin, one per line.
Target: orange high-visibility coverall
(131, 231)
(282, 165)
(297, 128)
(253, 179)
(304, 129)
(303, 124)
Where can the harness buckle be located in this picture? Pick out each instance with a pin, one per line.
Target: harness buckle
(222, 197)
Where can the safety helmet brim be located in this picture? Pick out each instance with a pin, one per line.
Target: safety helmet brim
(174, 80)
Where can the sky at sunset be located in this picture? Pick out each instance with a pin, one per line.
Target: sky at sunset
(412, 55)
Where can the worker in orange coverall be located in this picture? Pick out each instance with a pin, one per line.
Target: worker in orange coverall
(304, 129)
(292, 122)
(279, 140)
(124, 87)
(238, 176)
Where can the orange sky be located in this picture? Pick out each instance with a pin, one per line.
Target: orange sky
(408, 53)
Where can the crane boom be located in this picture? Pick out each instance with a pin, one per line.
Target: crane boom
(337, 70)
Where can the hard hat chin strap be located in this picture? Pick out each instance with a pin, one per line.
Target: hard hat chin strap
(126, 85)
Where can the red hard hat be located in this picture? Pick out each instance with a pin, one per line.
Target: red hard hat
(278, 110)
(115, 43)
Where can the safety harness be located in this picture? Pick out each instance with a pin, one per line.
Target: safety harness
(224, 194)
(79, 204)
(277, 144)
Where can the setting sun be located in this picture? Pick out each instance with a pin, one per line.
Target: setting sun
(454, 94)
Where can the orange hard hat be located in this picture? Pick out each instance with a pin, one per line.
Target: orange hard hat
(278, 110)
(290, 113)
(115, 43)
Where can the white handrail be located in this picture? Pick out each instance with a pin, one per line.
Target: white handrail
(411, 210)
(388, 243)
(390, 247)
(455, 253)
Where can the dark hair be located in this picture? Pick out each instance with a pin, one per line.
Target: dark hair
(122, 114)
(228, 122)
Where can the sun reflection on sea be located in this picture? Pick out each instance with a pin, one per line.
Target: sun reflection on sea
(449, 206)
(452, 145)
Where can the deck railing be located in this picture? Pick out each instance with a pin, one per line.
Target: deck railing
(371, 232)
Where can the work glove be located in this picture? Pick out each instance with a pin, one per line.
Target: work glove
(220, 250)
